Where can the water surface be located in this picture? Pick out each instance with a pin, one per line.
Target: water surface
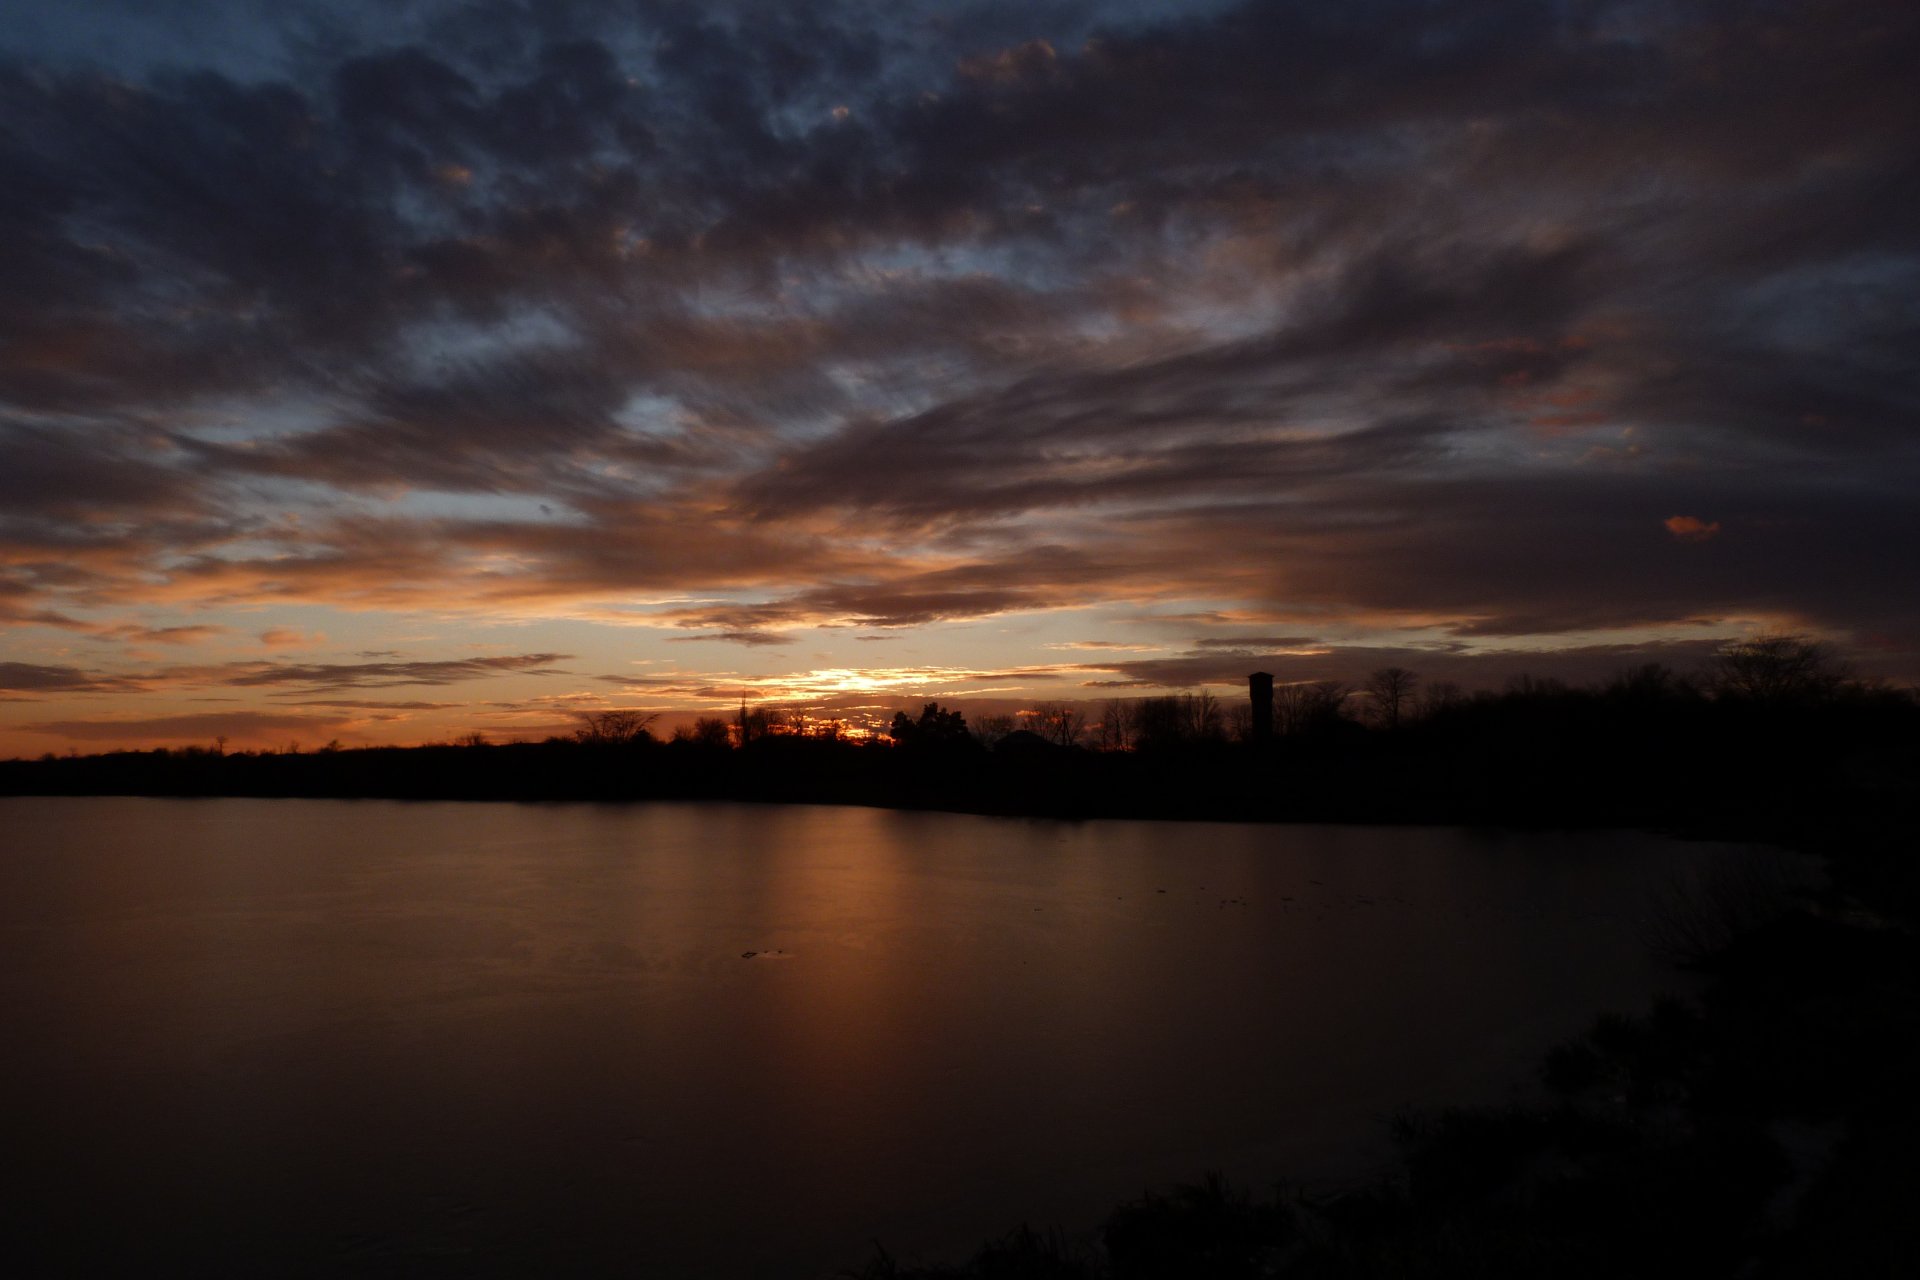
(324, 1036)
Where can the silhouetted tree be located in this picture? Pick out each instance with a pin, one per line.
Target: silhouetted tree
(1206, 722)
(613, 728)
(1159, 723)
(1528, 685)
(1776, 667)
(936, 727)
(1438, 695)
(1649, 684)
(1115, 730)
(1177, 719)
(1310, 706)
(1060, 723)
(1389, 690)
(754, 723)
(992, 730)
(831, 729)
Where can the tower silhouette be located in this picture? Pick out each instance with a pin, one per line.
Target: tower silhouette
(1260, 692)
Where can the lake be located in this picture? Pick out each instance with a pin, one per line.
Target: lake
(679, 1039)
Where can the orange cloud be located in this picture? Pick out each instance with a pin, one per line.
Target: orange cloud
(1032, 61)
(1691, 528)
(241, 726)
(162, 635)
(285, 637)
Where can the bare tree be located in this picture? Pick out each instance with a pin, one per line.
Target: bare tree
(1438, 695)
(1115, 730)
(1390, 691)
(1309, 706)
(1205, 720)
(1060, 723)
(1176, 719)
(992, 730)
(1649, 682)
(754, 723)
(613, 728)
(1776, 667)
(1159, 722)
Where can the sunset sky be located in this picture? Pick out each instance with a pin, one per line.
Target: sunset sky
(384, 371)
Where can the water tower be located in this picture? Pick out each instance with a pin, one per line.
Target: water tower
(1260, 691)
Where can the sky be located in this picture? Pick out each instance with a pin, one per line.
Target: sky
(386, 372)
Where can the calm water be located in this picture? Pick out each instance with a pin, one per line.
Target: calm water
(324, 1036)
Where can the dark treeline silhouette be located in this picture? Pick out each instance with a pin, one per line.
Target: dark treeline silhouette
(1773, 732)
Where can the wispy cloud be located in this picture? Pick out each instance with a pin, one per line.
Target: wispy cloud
(33, 678)
(240, 726)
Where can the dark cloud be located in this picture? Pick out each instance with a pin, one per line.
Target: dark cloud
(33, 678)
(753, 639)
(78, 473)
(383, 675)
(1255, 644)
(1478, 668)
(362, 704)
(183, 635)
(515, 424)
(241, 726)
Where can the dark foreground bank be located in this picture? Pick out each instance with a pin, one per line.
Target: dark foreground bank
(1769, 1129)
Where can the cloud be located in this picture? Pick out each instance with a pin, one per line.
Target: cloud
(1691, 528)
(287, 637)
(361, 704)
(1254, 643)
(241, 726)
(754, 639)
(185, 635)
(33, 678)
(374, 675)
(1376, 315)
(85, 471)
